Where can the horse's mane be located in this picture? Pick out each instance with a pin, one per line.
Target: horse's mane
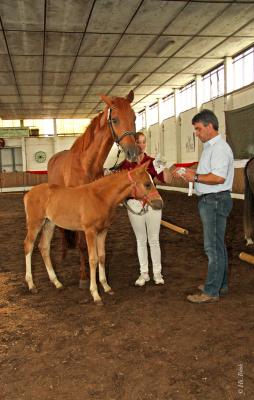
(84, 141)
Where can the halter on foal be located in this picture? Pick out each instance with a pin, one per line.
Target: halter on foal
(88, 208)
(83, 163)
(249, 202)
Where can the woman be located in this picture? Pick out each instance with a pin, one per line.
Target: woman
(146, 225)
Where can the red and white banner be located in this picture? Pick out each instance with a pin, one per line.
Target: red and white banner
(37, 172)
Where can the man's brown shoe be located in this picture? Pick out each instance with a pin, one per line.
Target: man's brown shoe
(223, 291)
(202, 298)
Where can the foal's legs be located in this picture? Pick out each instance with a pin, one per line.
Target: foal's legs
(101, 256)
(93, 261)
(84, 278)
(44, 246)
(32, 232)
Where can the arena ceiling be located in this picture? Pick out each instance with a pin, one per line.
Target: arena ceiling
(57, 56)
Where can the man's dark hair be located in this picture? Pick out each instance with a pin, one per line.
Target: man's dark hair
(206, 117)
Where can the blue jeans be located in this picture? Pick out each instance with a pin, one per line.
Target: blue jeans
(214, 208)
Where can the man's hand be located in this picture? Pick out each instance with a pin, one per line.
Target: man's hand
(186, 173)
(189, 174)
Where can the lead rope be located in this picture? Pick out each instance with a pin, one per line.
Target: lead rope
(116, 166)
(143, 211)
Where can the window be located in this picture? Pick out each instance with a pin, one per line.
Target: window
(243, 68)
(11, 159)
(46, 126)
(10, 123)
(140, 120)
(187, 97)
(213, 84)
(65, 126)
(153, 114)
(168, 106)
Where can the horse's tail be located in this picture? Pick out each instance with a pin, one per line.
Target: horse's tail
(248, 214)
(68, 241)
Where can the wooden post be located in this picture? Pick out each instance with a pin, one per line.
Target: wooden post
(175, 228)
(246, 257)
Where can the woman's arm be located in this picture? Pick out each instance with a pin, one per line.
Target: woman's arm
(168, 176)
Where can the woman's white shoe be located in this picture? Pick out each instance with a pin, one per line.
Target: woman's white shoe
(142, 279)
(158, 280)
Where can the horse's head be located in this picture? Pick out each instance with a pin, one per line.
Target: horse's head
(143, 187)
(121, 121)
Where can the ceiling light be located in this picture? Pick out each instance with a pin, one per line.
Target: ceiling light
(133, 79)
(165, 48)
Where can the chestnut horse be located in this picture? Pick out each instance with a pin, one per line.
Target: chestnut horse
(83, 163)
(248, 218)
(88, 208)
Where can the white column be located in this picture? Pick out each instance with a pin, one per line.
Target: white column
(54, 127)
(199, 103)
(199, 92)
(178, 125)
(23, 149)
(148, 133)
(228, 83)
(55, 136)
(161, 127)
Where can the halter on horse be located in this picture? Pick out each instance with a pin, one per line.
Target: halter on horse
(81, 208)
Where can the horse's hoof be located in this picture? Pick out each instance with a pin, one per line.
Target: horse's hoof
(84, 284)
(111, 292)
(34, 290)
(61, 287)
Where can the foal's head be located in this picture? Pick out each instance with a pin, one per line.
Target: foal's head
(121, 121)
(143, 187)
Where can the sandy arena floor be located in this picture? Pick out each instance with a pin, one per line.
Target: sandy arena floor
(145, 343)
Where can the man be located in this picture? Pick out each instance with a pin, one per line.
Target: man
(213, 181)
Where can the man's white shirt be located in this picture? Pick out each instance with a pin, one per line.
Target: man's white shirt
(217, 158)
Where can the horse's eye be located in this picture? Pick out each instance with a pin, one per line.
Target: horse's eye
(148, 185)
(115, 120)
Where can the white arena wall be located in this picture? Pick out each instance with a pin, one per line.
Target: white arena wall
(174, 136)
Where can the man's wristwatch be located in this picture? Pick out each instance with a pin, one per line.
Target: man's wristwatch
(196, 178)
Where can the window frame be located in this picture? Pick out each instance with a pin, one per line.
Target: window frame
(170, 97)
(239, 62)
(187, 105)
(152, 108)
(208, 78)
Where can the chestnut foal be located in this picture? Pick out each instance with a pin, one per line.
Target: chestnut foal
(89, 208)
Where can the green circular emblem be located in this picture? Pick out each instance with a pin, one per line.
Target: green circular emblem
(40, 156)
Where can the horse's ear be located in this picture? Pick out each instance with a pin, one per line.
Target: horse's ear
(130, 96)
(146, 164)
(106, 100)
(143, 167)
